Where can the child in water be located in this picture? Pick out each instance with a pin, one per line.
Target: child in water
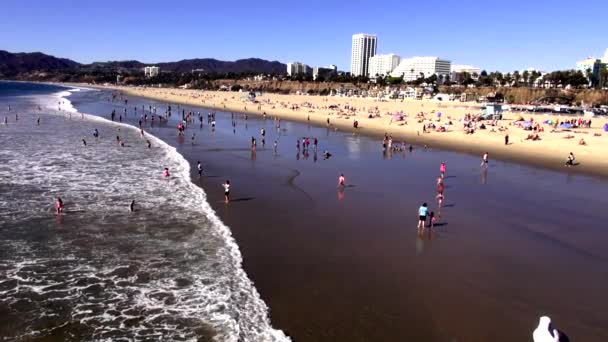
(59, 206)
(432, 217)
(341, 181)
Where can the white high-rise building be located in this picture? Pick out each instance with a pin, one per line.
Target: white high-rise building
(151, 71)
(421, 67)
(364, 46)
(297, 68)
(605, 59)
(382, 64)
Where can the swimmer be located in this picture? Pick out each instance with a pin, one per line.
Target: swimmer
(226, 191)
(117, 139)
(326, 155)
(275, 147)
(59, 206)
(84, 142)
(149, 143)
(132, 206)
(38, 121)
(199, 167)
(166, 172)
(341, 181)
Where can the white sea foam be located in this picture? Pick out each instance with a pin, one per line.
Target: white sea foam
(217, 291)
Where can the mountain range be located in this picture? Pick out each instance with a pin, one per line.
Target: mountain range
(14, 64)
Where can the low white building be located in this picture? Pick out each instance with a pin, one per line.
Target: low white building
(324, 73)
(414, 68)
(382, 65)
(457, 70)
(297, 68)
(151, 71)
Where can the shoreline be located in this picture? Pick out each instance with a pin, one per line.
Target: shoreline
(323, 265)
(536, 153)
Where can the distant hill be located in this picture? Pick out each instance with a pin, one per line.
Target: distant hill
(14, 64)
(17, 63)
(251, 65)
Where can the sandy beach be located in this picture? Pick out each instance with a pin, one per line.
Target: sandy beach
(550, 151)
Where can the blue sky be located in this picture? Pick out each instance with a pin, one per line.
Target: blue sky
(501, 35)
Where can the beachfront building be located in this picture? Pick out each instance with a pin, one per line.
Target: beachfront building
(382, 65)
(151, 71)
(594, 65)
(414, 68)
(457, 71)
(364, 46)
(324, 73)
(297, 68)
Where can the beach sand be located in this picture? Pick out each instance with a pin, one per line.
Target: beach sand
(551, 151)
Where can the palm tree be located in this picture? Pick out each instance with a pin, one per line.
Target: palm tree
(526, 76)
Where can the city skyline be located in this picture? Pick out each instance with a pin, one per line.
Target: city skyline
(492, 38)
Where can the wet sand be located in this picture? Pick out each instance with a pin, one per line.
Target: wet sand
(513, 244)
(549, 152)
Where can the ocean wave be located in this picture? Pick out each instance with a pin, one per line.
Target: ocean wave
(160, 274)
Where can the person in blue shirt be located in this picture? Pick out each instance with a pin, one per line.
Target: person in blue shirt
(422, 213)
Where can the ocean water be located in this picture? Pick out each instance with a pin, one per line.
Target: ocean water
(168, 271)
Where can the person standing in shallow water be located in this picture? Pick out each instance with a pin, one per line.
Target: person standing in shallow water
(226, 186)
(199, 168)
(341, 181)
(422, 213)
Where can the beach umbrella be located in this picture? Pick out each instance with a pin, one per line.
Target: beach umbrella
(526, 124)
(565, 126)
(606, 127)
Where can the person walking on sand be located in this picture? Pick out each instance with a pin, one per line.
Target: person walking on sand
(571, 159)
(226, 186)
(341, 181)
(506, 139)
(422, 213)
